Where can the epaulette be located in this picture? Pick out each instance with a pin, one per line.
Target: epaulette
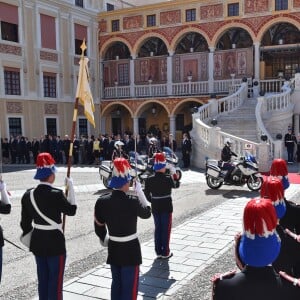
(222, 276)
(293, 280)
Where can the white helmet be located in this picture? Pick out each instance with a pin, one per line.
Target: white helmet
(118, 144)
(153, 140)
(228, 142)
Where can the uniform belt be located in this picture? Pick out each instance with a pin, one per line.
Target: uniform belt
(161, 197)
(48, 227)
(289, 141)
(123, 239)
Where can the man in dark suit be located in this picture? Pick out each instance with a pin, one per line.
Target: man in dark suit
(186, 149)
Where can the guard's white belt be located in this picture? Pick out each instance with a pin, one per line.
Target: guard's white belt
(123, 239)
(161, 197)
(48, 227)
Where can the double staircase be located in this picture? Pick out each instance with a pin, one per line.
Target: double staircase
(241, 122)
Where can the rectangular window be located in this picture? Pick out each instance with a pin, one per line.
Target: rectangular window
(9, 22)
(51, 126)
(15, 126)
(80, 35)
(49, 80)
(151, 20)
(233, 9)
(123, 74)
(190, 15)
(115, 25)
(12, 81)
(110, 7)
(281, 4)
(79, 3)
(83, 127)
(48, 34)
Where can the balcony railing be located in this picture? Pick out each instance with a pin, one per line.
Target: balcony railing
(190, 88)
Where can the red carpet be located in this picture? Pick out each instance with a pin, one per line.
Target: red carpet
(294, 178)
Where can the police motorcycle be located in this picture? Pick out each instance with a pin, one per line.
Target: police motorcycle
(141, 166)
(245, 172)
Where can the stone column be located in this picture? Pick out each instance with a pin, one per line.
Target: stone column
(135, 126)
(256, 60)
(103, 124)
(169, 72)
(211, 69)
(131, 74)
(173, 126)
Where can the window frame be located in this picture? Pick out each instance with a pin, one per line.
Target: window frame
(80, 126)
(110, 7)
(51, 118)
(12, 31)
(151, 20)
(278, 5)
(12, 81)
(233, 9)
(190, 15)
(115, 25)
(20, 118)
(79, 3)
(51, 88)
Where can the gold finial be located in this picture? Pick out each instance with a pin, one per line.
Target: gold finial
(83, 47)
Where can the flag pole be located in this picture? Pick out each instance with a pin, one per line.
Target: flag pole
(73, 130)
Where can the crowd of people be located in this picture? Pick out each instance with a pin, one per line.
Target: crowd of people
(88, 149)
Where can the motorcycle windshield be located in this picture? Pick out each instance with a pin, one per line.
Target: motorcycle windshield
(134, 157)
(170, 155)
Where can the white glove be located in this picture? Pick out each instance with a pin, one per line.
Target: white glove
(4, 195)
(105, 242)
(70, 189)
(173, 172)
(140, 194)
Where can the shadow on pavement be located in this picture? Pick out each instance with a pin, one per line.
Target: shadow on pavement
(156, 280)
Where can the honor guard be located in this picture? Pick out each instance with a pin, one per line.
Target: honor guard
(115, 224)
(158, 189)
(290, 141)
(42, 210)
(259, 247)
(5, 207)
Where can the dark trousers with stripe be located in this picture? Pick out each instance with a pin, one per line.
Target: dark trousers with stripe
(162, 232)
(125, 282)
(50, 271)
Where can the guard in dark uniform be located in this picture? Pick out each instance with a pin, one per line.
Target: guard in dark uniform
(158, 189)
(116, 225)
(186, 149)
(47, 241)
(290, 141)
(5, 207)
(259, 247)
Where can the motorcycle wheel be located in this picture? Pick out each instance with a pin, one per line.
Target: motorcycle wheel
(213, 183)
(254, 183)
(106, 181)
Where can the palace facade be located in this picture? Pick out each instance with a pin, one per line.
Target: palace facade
(160, 61)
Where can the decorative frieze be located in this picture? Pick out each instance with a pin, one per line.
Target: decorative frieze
(14, 108)
(44, 55)
(133, 22)
(10, 49)
(170, 17)
(255, 6)
(211, 11)
(50, 109)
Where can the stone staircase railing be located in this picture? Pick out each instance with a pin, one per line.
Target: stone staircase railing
(270, 105)
(208, 141)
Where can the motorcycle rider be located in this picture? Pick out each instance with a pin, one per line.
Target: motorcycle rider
(226, 156)
(119, 151)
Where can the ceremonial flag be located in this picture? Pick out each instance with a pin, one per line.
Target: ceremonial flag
(83, 92)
